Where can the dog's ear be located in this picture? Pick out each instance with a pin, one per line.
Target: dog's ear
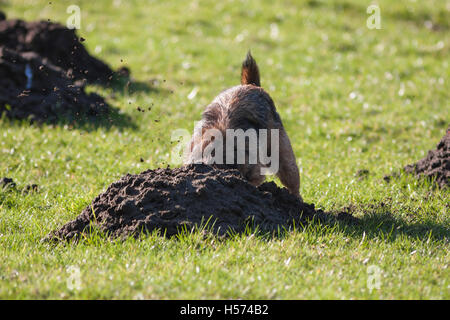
(250, 71)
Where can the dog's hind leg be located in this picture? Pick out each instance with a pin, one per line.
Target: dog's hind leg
(288, 172)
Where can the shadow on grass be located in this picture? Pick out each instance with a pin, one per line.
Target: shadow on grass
(124, 84)
(378, 222)
(99, 117)
(113, 118)
(375, 224)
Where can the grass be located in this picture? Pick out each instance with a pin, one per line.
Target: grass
(351, 99)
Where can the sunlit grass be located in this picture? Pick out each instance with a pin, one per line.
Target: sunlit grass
(350, 98)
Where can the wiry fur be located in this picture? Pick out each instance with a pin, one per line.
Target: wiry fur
(244, 107)
(250, 71)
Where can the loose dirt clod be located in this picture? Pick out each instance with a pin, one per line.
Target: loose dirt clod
(6, 182)
(187, 197)
(436, 164)
(30, 188)
(9, 184)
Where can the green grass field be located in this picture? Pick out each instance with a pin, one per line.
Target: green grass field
(351, 98)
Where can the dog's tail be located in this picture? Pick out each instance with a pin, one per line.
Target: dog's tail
(250, 71)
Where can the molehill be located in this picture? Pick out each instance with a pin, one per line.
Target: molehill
(172, 200)
(436, 164)
(44, 68)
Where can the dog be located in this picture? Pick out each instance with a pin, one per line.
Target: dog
(245, 107)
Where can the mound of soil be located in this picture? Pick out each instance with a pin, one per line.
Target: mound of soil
(58, 44)
(33, 88)
(186, 197)
(43, 71)
(436, 164)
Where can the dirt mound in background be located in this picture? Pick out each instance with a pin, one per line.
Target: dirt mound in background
(43, 72)
(172, 200)
(33, 88)
(436, 164)
(58, 44)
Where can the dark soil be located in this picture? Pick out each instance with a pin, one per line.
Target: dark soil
(436, 164)
(58, 44)
(43, 71)
(46, 94)
(6, 182)
(187, 197)
(9, 184)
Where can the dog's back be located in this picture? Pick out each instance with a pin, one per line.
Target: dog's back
(244, 106)
(247, 106)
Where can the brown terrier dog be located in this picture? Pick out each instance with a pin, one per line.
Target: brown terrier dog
(241, 108)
